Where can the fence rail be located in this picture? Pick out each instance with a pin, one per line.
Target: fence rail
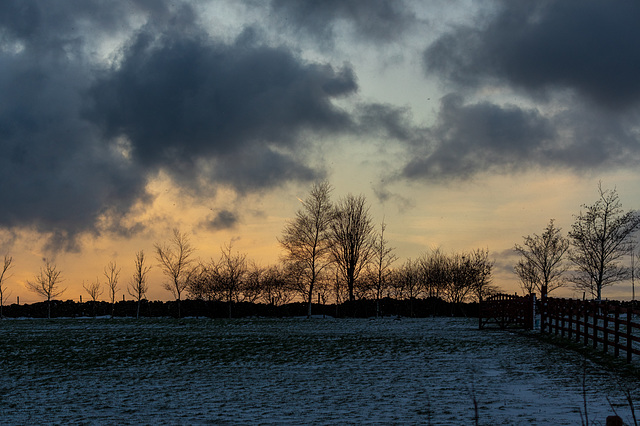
(608, 326)
(507, 310)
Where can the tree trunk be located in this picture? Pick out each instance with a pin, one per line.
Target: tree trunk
(309, 302)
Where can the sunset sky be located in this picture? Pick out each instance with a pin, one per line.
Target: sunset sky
(465, 124)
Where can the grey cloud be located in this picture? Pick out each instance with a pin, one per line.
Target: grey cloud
(372, 20)
(223, 219)
(179, 99)
(67, 26)
(476, 138)
(235, 113)
(387, 121)
(586, 46)
(56, 176)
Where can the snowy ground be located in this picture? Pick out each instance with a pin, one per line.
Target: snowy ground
(293, 371)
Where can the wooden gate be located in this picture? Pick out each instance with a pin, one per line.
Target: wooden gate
(507, 310)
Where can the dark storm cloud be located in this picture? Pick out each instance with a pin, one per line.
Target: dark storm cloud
(45, 25)
(372, 20)
(180, 100)
(80, 140)
(470, 139)
(582, 55)
(223, 219)
(588, 46)
(478, 138)
(56, 175)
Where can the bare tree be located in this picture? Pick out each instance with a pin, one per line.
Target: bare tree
(175, 261)
(306, 238)
(111, 272)
(352, 239)
(47, 283)
(229, 273)
(4, 275)
(409, 277)
(382, 259)
(542, 259)
(251, 286)
(479, 269)
(199, 284)
(276, 290)
(526, 271)
(458, 282)
(435, 272)
(138, 286)
(600, 237)
(94, 290)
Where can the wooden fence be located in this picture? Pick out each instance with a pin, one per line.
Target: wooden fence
(608, 326)
(507, 310)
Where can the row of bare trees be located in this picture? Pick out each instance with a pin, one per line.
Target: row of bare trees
(591, 255)
(327, 240)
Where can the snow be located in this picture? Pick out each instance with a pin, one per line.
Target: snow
(294, 371)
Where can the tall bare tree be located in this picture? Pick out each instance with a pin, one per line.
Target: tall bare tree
(479, 270)
(435, 271)
(526, 271)
(94, 290)
(382, 259)
(4, 275)
(47, 283)
(138, 286)
(229, 273)
(600, 238)
(176, 263)
(306, 238)
(542, 258)
(352, 243)
(111, 272)
(458, 283)
(409, 276)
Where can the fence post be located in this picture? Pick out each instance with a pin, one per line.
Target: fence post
(616, 336)
(594, 312)
(562, 321)
(586, 322)
(606, 327)
(629, 342)
(543, 308)
(531, 309)
(570, 320)
(579, 307)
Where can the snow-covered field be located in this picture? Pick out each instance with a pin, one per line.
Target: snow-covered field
(293, 371)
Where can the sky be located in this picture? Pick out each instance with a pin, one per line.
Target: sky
(465, 124)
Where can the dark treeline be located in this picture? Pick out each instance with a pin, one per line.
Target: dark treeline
(418, 308)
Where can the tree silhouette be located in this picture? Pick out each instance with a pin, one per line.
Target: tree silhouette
(175, 261)
(4, 275)
(601, 236)
(138, 286)
(47, 283)
(111, 272)
(307, 241)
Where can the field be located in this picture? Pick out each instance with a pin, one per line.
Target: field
(294, 371)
